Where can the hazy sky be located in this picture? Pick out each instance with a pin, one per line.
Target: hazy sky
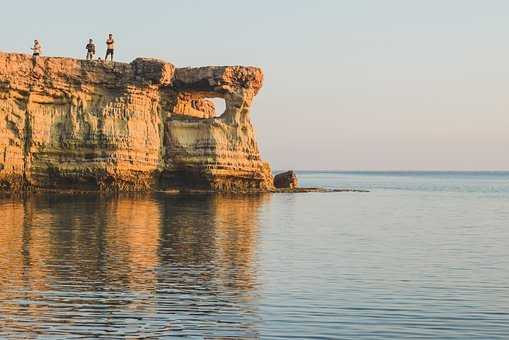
(353, 84)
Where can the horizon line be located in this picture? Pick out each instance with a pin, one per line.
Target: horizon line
(410, 170)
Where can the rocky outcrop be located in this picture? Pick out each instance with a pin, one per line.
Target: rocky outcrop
(75, 124)
(286, 180)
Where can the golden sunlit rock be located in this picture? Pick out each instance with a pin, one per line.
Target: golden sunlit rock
(92, 125)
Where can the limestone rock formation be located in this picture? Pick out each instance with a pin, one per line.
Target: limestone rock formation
(75, 124)
(286, 180)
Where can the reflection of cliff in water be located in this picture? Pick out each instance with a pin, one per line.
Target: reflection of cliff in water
(215, 235)
(192, 257)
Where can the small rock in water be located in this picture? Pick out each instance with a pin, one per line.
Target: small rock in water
(285, 180)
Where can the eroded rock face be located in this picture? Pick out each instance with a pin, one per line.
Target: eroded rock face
(286, 180)
(74, 124)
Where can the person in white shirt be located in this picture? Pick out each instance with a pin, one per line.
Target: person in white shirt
(37, 49)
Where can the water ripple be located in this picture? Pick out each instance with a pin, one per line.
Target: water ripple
(426, 262)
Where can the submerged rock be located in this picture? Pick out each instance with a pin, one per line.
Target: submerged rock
(286, 180)
(90, 125)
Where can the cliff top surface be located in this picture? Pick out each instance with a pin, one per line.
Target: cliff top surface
(19, 70)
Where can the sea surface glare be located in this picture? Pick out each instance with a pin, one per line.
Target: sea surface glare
(423, 255)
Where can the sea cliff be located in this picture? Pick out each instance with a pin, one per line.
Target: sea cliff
(69, 124)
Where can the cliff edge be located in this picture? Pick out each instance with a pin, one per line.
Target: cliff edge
(88, 125)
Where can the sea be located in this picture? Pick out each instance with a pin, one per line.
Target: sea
(422, 255)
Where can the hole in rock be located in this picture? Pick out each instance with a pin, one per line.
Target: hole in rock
(219, 104)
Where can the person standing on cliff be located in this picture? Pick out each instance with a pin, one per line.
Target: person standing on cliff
(37, 49)
(90, 49)
(110, 46)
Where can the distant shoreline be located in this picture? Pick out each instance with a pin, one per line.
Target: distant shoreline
(403, 171)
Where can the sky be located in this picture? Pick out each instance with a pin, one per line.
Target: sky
(349, 84)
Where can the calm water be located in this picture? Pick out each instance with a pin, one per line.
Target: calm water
(423, 255)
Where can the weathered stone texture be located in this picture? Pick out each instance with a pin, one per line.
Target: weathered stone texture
(286, 180)
(74, 124)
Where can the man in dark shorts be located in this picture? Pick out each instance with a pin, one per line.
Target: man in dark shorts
(37, 49)
(90, 49)
(110, 45)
